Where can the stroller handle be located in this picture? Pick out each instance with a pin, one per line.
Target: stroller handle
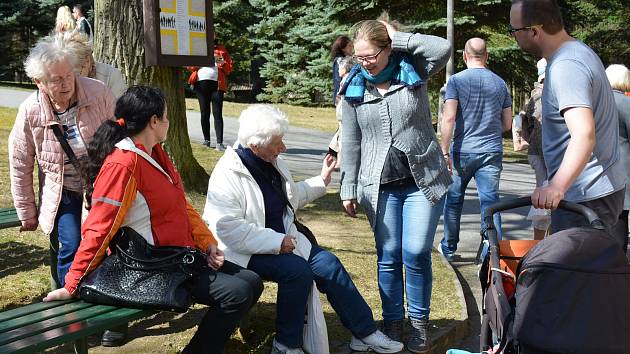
(587, 212)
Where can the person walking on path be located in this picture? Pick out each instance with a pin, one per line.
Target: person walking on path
(580, 137)
(619, 78)
(210, 85)
(477, 110)
(83, 25)
(393, 166)
(78, 106)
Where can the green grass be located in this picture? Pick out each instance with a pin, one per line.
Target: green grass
(24, 274)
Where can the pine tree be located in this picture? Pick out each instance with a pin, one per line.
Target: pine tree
(294, 39)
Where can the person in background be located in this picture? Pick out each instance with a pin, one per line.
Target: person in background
(477, 111)
(340, 49)
(64, 21)
(77, 105)
(532, 128)
(334, 147)
(88, 67)
(251, 205)
(210, 85)
(133, 183)
(393, 166)
(580, 137)
(83, 25)
(619, 78)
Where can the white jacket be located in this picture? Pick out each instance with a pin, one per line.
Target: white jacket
(111, 77)
(235, 210)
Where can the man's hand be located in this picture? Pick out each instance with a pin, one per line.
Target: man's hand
(350, 207)
(215, 257)
(59, 294)
(547, 197)
(449, 163)
(29, 224)
(288, 244)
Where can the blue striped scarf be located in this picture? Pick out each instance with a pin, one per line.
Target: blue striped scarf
(399, 70)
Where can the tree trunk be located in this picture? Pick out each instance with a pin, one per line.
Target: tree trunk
(119, 41)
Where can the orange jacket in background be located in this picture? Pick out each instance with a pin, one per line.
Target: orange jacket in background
(225, 68)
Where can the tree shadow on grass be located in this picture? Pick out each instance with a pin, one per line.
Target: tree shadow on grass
(17, 257)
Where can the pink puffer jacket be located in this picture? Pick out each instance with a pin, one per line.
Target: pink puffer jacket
(32, 137)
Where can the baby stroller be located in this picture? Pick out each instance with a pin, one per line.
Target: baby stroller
(567, 293)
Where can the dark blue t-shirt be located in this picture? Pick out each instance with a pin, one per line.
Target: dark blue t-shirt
(482, 95)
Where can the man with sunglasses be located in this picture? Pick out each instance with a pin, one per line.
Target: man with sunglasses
(580, 138)
(477, 110)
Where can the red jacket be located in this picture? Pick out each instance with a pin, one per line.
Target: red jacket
(225, 68)
(131, 191)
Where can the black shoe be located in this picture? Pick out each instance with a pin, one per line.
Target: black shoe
(112, 338)
(418, 338)
(394, 329)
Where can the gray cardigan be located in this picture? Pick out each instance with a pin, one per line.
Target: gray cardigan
(401, 118)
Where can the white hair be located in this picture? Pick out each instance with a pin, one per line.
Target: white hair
(619, 77)
(47, 51)
(259, 123)
(79, 46)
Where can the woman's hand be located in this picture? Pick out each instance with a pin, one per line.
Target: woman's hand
(350, 207)
(59, 294)
(288, 244)
(391, 31)
(29, 224)
(328, 166)
(215, 257)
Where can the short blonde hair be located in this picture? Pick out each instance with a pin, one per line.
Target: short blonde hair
(65, 21)
(79, 46)
(619, 77)
(259, 123)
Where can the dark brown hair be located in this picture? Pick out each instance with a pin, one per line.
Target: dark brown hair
(337, 48)
(541, 12)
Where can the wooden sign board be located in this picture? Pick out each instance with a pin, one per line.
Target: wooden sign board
(178, 33)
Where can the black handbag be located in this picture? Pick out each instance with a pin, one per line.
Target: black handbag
(140, 275)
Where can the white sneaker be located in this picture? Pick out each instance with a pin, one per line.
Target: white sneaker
(279, 348)
(377, 342)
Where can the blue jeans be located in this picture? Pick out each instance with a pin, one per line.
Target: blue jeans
(404, 230)
(66, 234)
(295, 277)
(486, 169)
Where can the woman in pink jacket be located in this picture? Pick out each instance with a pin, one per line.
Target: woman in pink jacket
(77, 105)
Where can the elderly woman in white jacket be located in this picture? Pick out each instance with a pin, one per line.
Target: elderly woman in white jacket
(248, 210)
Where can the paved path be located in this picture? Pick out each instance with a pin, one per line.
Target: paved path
(306, 149)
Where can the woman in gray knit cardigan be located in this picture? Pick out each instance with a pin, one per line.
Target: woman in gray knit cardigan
(394, 166)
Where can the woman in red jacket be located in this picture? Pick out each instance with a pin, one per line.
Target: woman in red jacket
(138, 186)
(210, 84)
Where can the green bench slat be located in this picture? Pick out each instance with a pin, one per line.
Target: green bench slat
(35, 327)
(32, 308)
(9, 218)
(74, 331)
(33, 317)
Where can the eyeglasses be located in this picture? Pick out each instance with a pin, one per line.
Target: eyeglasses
(368, 58)
(511, 30)
(59, 80)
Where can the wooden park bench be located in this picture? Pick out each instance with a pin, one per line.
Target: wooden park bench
(8, 218)
(44, 325)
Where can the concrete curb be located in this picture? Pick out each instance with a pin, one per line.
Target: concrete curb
(444, 339)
